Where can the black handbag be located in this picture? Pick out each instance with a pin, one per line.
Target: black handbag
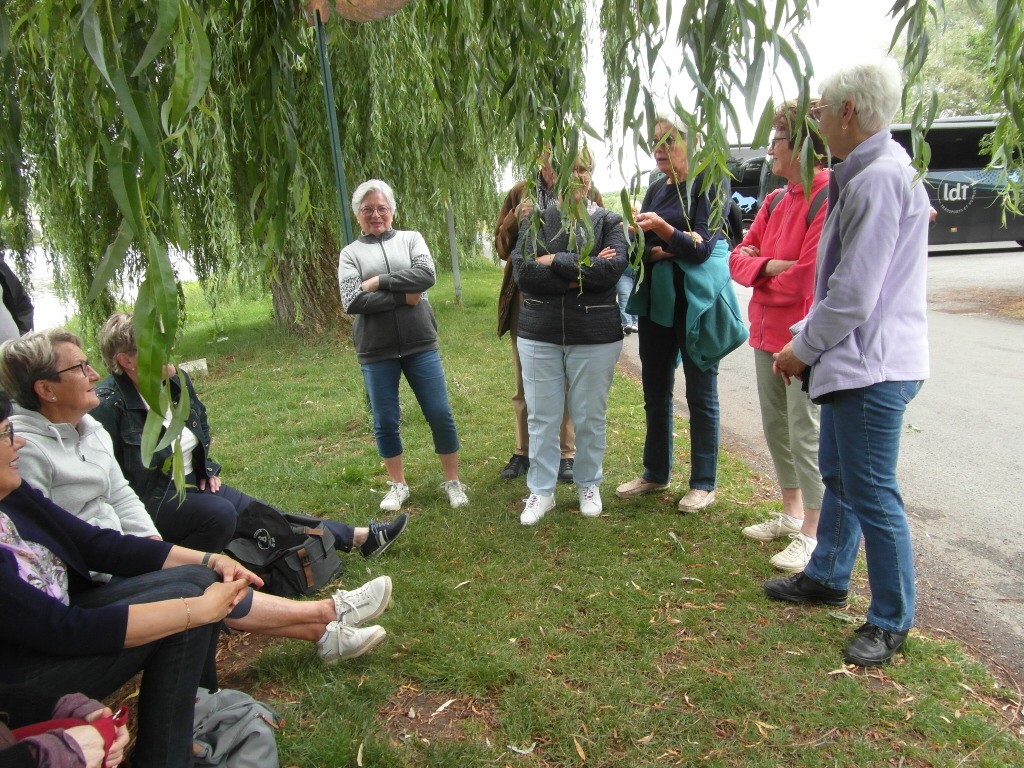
(293, 554)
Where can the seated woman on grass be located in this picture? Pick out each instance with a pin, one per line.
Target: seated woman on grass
(67, 456)
(204, 516)
(159, 614)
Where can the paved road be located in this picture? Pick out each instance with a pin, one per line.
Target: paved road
(962, 458)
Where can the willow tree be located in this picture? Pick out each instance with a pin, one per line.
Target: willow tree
(134, 128)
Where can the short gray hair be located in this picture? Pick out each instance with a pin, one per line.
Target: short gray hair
(117, 335)
(373, 185)
(875, 89)
(31, 358)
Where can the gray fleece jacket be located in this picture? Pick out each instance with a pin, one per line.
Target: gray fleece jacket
(76, 469)
(386, 326)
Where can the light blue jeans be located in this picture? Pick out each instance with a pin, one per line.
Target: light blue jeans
(579, 375)
(623, 289)
(860, 445)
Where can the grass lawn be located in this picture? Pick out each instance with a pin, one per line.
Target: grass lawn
(641, 638)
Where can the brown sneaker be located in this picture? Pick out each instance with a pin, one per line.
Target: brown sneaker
(638, 487)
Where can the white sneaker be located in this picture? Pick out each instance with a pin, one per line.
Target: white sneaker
(341, 641)
(776, 528)
(590, 501)
(456, 493)
(363, 604)
(796, 556)
(395, 498)
(696, 499)
(536, 507)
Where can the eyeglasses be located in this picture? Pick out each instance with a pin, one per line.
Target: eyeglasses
(581, 172)
(777, 139)
(380, 210)
(8, 433)
(817, 109)
(83, 366)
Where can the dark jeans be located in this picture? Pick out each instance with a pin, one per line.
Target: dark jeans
(172, 668)
(206, 521)
(660, 347)
(425, 375)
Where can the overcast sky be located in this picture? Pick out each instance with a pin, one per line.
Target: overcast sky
(840, 32)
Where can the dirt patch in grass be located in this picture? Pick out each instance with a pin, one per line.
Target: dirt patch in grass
(236, 653)
(1002, 302)
(427, 715)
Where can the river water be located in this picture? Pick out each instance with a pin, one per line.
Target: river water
(52, 311)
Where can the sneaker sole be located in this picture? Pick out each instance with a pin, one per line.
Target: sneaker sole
(643, 492)
(384, 547)
(354, 653)
(758, 537)
(788, 568)
(384, 603)
(835, 602)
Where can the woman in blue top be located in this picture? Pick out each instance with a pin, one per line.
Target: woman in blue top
(686, 274)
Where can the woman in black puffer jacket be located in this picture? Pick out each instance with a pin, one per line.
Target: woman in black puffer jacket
(569, 340)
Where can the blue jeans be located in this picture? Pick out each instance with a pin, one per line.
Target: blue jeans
(425, 375)
(172, 667)
(860, 444)
(623, 289)
(580, 376)
(206, 521)
(660, 349)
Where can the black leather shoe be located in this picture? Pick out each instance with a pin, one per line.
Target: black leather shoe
(873, 645)
(800, 589)
(516, 466)
(565, 471)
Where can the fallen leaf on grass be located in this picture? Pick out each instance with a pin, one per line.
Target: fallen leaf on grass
(520, 751)
(359, 755)
(579, 749)
(412, 713)
(677, 540)
(442, 708)
(763, 728)
(691, 578)
(462, 584)
(842, 671)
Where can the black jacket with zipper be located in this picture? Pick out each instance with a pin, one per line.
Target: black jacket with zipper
(569, 302)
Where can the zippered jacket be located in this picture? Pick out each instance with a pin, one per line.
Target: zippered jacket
(781, 232)
(569, 302)
(385, 325)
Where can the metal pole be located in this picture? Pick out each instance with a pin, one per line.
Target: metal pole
(333, 133)
(456, 277)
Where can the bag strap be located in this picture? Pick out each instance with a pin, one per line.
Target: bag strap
(307, 567)
(816, 202)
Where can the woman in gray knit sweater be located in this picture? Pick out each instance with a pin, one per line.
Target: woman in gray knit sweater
(384, 277)
(569, 338)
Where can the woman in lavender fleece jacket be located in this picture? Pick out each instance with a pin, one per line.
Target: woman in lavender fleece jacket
(864, 346)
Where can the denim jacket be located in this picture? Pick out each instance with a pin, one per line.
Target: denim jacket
(122, 412)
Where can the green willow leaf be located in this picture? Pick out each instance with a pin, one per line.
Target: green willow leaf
(133, 107)
(124, 185)
(113, 259)
(167, 18)
(92, 37)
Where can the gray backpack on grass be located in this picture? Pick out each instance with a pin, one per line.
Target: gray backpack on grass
(234, 730)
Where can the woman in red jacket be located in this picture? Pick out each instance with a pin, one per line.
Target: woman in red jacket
(777, 259)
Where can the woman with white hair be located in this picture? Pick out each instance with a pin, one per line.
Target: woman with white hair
(384, 276)
(863, 351)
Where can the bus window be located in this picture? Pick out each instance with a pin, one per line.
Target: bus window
(960, 187)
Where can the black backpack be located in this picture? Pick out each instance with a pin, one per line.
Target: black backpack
(293, 554)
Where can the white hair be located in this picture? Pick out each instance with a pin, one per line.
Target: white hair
(875, 90)
(373, 185)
